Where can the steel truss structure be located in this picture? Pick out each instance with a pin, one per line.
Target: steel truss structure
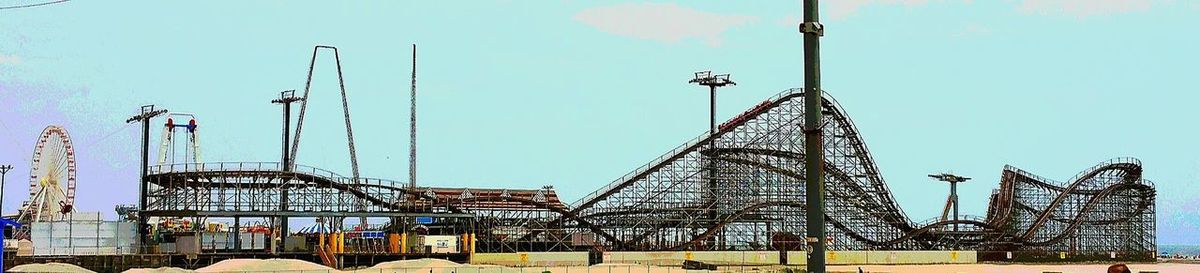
(740, 187)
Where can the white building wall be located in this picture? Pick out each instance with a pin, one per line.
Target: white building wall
(83, 234)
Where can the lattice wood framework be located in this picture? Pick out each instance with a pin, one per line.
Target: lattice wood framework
(740, 187)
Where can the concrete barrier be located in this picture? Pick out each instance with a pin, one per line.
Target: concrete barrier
(888, 257)
(532, 259)
(674, 258)
(923, 257)
(725, 258)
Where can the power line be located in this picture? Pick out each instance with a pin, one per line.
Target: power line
(105, 137)
(34, 5)
(8, 129)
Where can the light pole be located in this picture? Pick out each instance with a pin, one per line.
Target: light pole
(706, 78)
(286, 98)
(952, 199)
(814, 155)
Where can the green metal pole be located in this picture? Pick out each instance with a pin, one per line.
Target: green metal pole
(814, 157)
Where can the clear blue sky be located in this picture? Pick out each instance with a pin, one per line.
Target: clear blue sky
(575, 93)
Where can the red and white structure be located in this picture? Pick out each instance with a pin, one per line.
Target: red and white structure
(51, 177)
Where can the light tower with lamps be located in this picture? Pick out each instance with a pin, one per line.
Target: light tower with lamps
(286, 98)
(706, 78)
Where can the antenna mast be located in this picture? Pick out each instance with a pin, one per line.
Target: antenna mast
(412, 129)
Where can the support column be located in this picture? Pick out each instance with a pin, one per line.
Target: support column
(712, 108)
(237, 232)
(144, 184)
(287, 167)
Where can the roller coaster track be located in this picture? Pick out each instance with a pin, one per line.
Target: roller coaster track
(860, 183)
(863, 186)
(199, 178)
(839, 184)
(912, 232)
(456, 203)
(673, 202)
(1073, 186)
(1090, 205)
(266, 175)
(833, 110)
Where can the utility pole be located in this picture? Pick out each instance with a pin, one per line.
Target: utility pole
(286, 98)
(706, 78)
(148, 112)
(952, 199)
(814, 156)
(3, 174)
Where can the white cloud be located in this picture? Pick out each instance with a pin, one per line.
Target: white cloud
(973, 29)
(1084, 8)
(9, 59)
(668, 23)
(841, 9)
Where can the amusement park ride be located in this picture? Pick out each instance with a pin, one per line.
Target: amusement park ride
(167, 152)
(743, 185)
(51, 180)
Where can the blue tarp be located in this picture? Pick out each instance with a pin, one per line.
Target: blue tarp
(9, 222)
(4, 223)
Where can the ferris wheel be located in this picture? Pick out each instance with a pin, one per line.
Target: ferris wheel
(51, 177)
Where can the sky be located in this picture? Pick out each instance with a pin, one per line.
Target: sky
(574, 94)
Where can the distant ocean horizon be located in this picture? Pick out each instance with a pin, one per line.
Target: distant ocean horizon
(1186, 250)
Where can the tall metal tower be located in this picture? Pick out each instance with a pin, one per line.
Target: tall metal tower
(286, 98)
(148, 112)
(953, 198)
(814, 154)
(346, 115)
(412, 129)
(706, 78)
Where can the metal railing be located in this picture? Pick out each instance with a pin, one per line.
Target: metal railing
(269, 166)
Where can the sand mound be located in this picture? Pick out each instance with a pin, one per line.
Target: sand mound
(159, 270)
(422, 266)
(264, 265)
(419, 263)
(50, 268)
